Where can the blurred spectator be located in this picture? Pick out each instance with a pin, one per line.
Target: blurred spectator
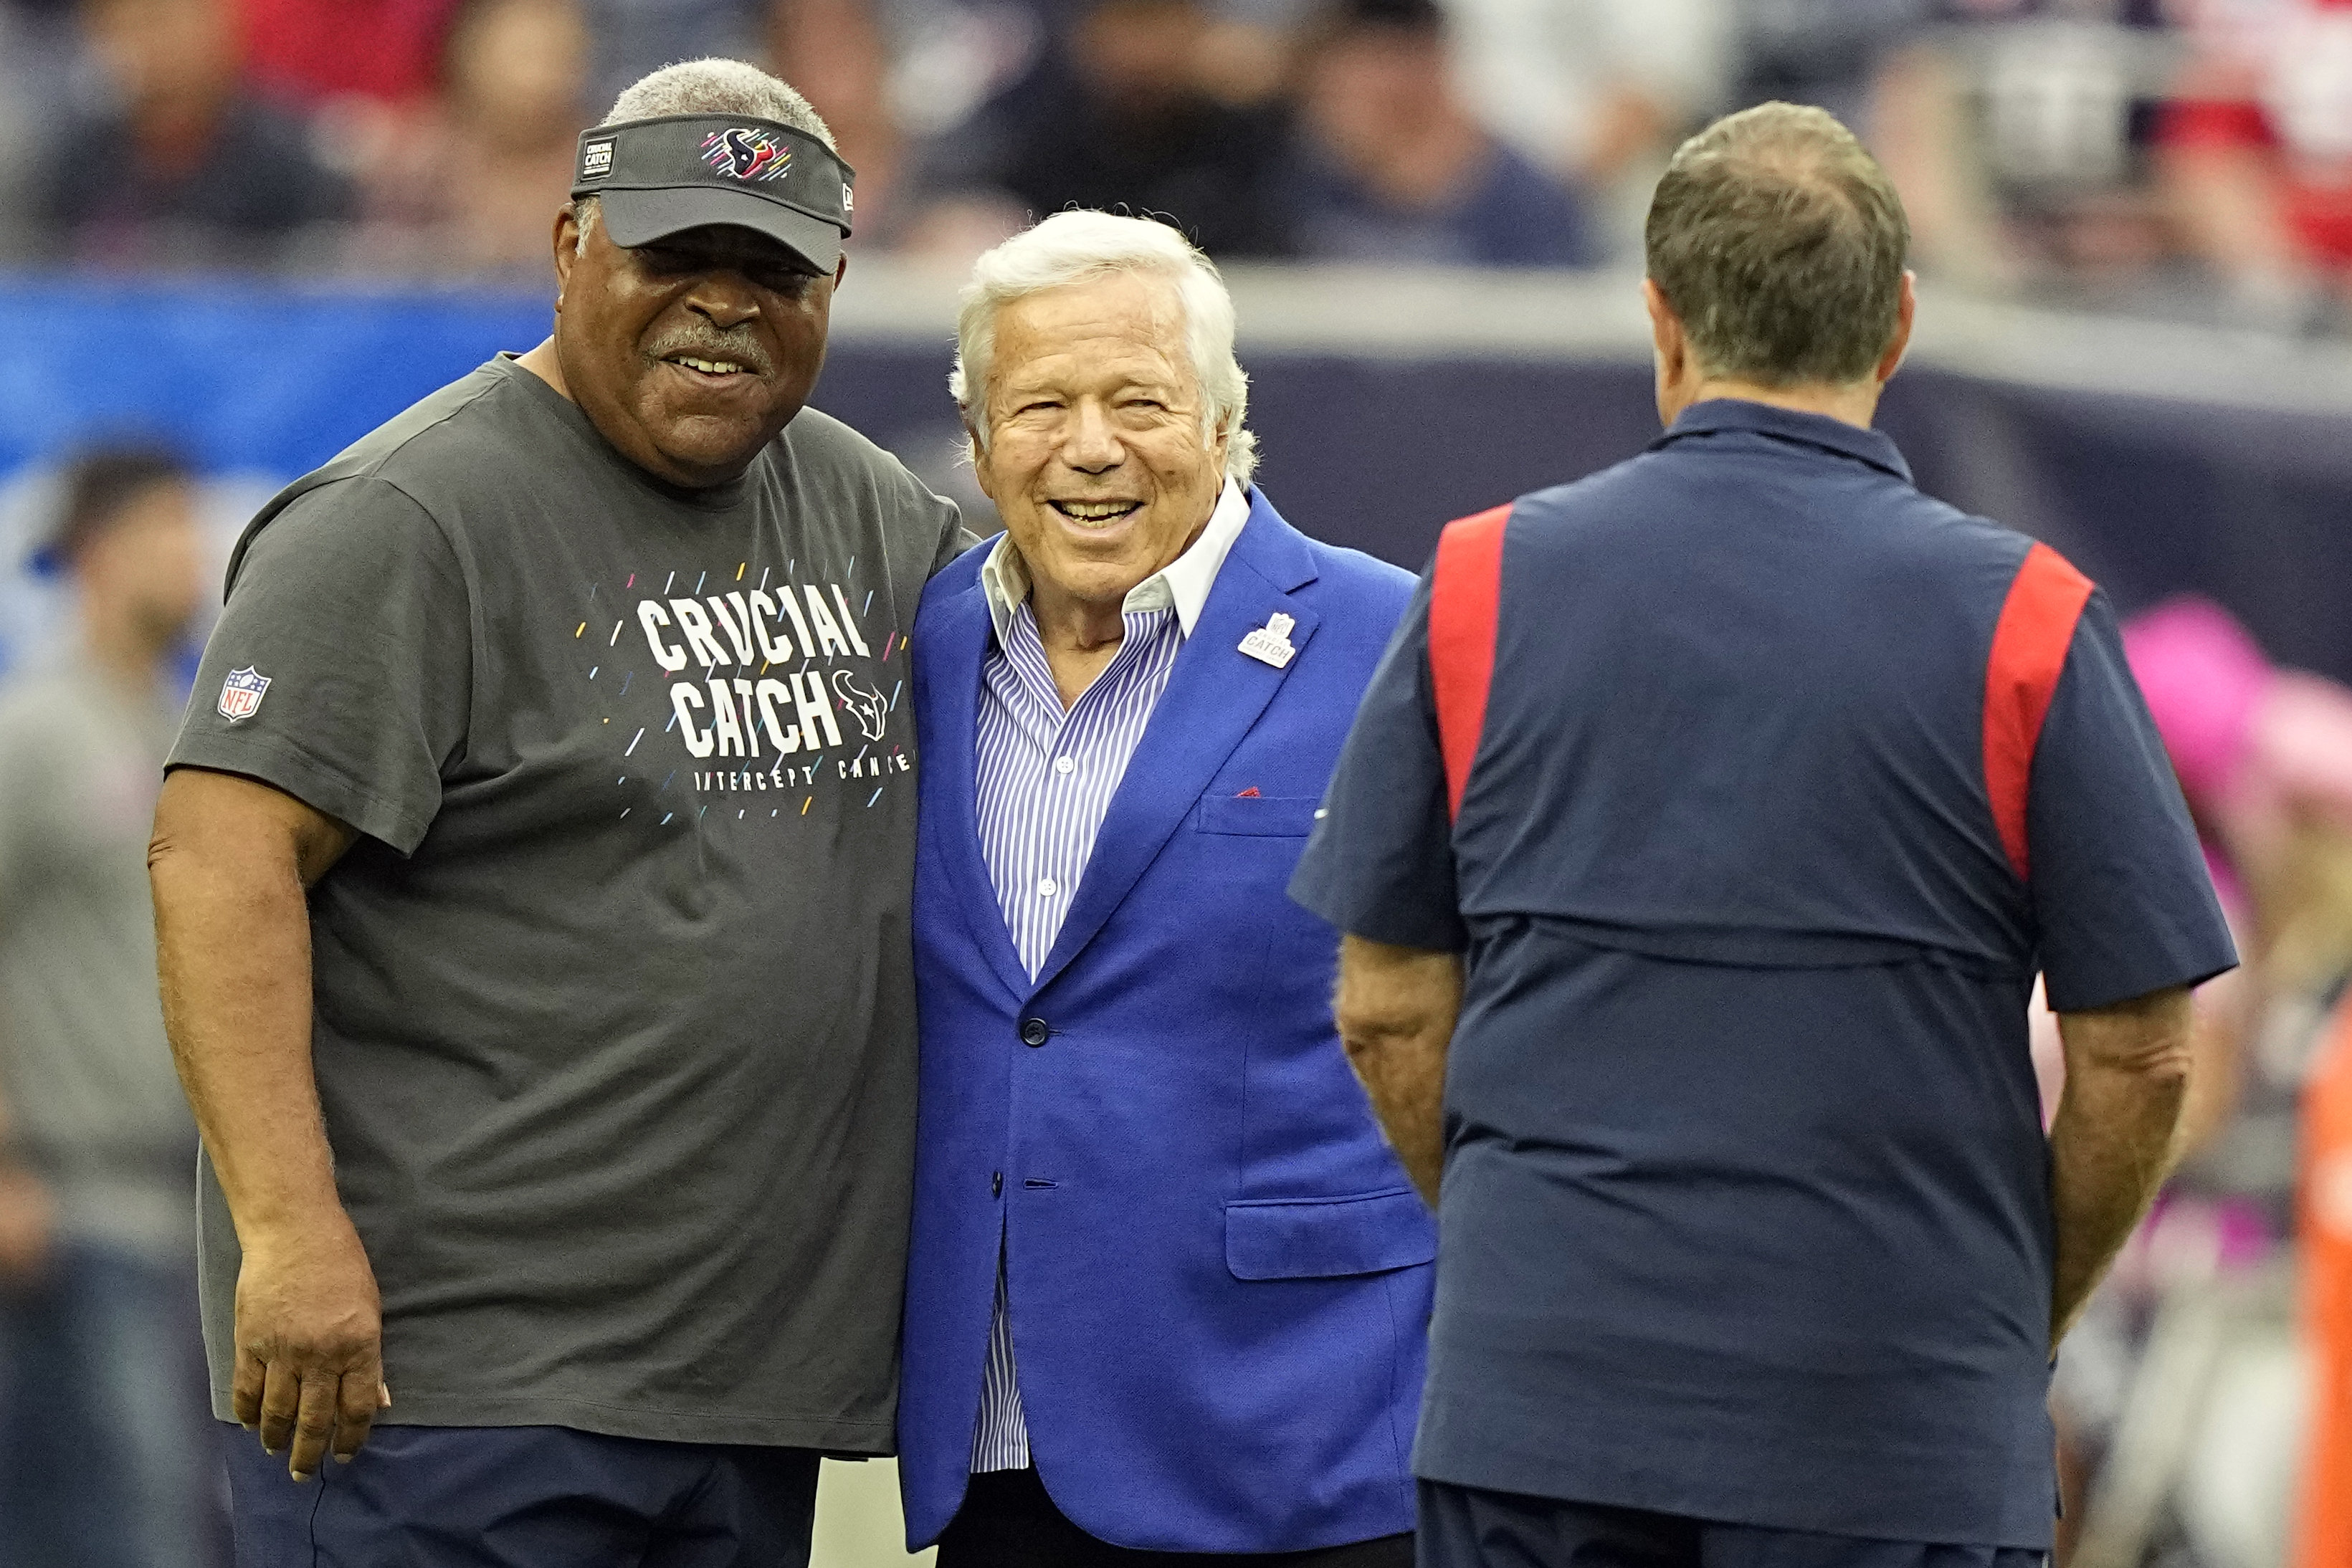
(1120, 121)
(1394, 168)
(1825, 52)
(103, 1436)
(835, 53)
(637, 38)
(313, 52)
(2060, 101)
(1594, 92)
(474, 182)
(164, 157)
(2258, 151)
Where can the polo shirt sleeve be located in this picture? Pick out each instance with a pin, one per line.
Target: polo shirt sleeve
(2123, 900)
(352, 603)
(1379, 863)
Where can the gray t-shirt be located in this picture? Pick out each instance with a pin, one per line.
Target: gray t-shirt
(84, 1069)
(615, 1023)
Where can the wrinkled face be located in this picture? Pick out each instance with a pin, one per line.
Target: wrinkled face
(690, 354)
(147, 560)
(1095, 459)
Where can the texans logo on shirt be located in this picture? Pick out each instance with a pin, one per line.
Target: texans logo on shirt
(867, 706)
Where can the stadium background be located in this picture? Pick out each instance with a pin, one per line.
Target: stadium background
(2132, 323)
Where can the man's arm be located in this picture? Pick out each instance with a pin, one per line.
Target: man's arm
(229, 862)
(27, 1215)
(1396, 1008)
(2113, 1140)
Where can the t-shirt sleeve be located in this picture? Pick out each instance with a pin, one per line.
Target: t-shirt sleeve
(1379, 865)
(31, 764)
(351, 604)
(2120, 891)
(954, 539)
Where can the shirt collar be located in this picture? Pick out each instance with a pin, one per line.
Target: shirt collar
(1835, 435)
(1182, 584)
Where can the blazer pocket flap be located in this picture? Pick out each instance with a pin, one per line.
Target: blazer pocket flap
(1260, 816)
(1325, 1237)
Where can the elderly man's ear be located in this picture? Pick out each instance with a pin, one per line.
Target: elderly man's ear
(979, 461)
(1906, 313)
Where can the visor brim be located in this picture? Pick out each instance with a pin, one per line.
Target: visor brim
(632, 219)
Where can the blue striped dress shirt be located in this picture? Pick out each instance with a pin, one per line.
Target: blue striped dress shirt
(1045, 778)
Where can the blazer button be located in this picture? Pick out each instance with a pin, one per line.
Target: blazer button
(1033, 1031)
(996, 1185)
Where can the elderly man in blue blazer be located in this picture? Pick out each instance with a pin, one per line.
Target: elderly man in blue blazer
(1169, 1285)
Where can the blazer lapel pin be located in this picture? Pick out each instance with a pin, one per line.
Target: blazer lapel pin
(1270, 643)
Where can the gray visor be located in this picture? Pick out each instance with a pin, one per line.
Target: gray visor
(659, 177)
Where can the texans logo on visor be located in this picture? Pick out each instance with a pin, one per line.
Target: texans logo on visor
(746, 154)
(241, 694)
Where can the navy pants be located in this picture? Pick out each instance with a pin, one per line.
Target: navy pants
(1466, 1527)
(1009, 1521)
(524, 1497)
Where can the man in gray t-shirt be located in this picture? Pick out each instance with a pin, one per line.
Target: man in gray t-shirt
(574, 696)
(97, 1238)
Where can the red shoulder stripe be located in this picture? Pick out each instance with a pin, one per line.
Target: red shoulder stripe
(1464, 595)
(2029, 653)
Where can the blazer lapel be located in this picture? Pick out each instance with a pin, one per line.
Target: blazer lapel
(1215, 694)
(952, 651)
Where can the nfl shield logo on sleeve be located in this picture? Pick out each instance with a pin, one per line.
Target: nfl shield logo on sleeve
(241, 694)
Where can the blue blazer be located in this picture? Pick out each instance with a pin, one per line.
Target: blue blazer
(1218, 1274)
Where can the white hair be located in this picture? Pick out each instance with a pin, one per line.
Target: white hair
(1079, 247)
(706, 87)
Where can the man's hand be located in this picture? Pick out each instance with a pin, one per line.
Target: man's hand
(1395, 1009)
(27, 1225)
(229, 862)
(309, 1343)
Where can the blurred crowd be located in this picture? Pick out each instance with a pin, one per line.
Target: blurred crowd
(2205, 1401)
(2188, 157)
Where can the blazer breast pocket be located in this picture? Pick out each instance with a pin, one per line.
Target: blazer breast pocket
(1329, 1238)
(1260, 816)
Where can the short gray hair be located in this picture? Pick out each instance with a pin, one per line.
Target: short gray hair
(1079, 247)
(717, 86)
(708, 87)
(1781, 244)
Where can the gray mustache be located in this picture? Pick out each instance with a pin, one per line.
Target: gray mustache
(741, 348)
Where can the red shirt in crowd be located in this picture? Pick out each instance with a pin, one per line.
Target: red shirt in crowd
(310, 51)
(2278, 76)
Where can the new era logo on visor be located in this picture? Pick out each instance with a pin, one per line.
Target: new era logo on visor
(595, 159)
(746, 152)
(241, 694)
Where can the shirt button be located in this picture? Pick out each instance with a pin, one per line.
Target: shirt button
(1065, 765)
(1033, 1031)
(1047, 887)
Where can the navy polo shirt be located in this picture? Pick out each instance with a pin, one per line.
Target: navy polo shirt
(1746, 1212)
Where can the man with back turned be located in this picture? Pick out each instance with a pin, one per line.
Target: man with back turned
(1698, 843)
(531, 886)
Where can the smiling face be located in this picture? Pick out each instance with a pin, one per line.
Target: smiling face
(690, 354)
(1095, 458)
